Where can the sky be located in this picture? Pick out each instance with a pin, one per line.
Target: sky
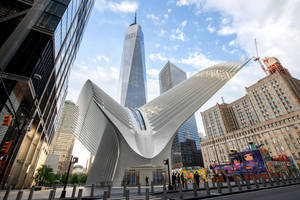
(194, 35)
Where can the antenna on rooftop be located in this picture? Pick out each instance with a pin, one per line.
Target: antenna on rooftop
(222, 100)
(135, 17)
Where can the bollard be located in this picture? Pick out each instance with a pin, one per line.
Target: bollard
(7, 193)
(92, 190)
(124, 189)
(264, 181)
(164, 192)
(31, 193)
(239, 184)
(139, 189)
(255, 182)
(271, 182)
(283, 179)
(19, 196)
(147, 194)
(105, 195)
(180, 192)
(152, 188)
(235, 180)
(207, 188)
(51, 195)
(229, 185)
(186, 185)
(248, 183)
(219, 186)
(277, 180)
(109, 191)
(74, 191)
(289, 179)
(213, 182)
(79, 194)
(127, 195)
(195, 189)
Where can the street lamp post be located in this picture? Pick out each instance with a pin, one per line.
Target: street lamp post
(73, 160)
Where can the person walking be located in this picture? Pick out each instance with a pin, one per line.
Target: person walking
(147, 180)
(182, 180)
(196, 178)
(173, 180)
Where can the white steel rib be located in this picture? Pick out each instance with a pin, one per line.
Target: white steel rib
(122, 137)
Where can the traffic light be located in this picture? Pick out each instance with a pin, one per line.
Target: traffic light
(5, 146)
(6, 120)
(166, 161)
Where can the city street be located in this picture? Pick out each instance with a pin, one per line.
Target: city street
(282, 193)
(286, 192)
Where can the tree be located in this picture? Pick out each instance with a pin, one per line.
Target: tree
(44, 176)
(82, 178)
(75, 179)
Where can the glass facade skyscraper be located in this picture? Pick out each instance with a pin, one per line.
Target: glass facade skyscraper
(133, 70)
(39, 43)
(187, 134)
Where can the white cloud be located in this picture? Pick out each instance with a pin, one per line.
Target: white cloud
(225, 21)
(100, 59)
(161, 32)
(183, 24)
(124, 6)
(169, 10)
(226, 30)
(198, 60)
(157, 45)
(211, 28)
(232, 43)
(152, 72)
(277, 31)
(208, 19)
(153, 17)
(157, 56)
(188, 3)
(178, 33)
(166, 16)
(107, 77)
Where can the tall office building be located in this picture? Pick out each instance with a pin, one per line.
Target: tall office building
(39, 40)
(268, 114)
(133, 70)
(186, 144)
(224, 118)
(62, 145)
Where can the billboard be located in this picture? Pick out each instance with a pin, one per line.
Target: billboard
(247, 162)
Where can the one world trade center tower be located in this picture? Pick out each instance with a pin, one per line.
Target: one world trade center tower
(133, 70)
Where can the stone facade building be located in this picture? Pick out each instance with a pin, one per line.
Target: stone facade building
(269, 114)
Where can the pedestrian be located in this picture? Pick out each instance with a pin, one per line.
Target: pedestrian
(147, 180)
(173, 180)
(196, 178)
(178, 179)
(182, 179)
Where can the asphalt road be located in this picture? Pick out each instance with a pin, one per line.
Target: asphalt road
(282, 193)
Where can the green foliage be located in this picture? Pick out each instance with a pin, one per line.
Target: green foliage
(78, 178)
(83, 178)
(44, 176)
(74, 179)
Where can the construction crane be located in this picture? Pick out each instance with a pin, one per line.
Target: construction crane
(257, 58)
